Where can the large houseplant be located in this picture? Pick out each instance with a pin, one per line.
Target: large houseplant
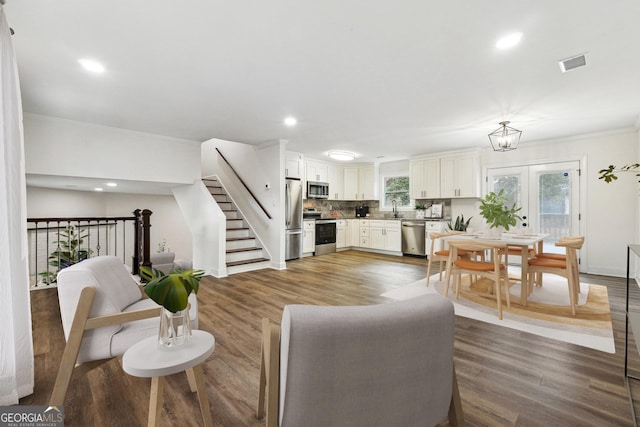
(69, 251)
(494, 209)
(172, 291)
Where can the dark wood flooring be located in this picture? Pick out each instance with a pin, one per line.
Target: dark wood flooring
(506, 377)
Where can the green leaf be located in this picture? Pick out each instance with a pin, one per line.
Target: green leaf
(172, 290)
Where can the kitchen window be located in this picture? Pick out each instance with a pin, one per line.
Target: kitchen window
(396, 187)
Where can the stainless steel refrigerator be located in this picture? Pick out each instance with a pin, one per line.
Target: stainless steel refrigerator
(293, 219)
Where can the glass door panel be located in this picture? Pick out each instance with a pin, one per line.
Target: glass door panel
(515, 183)
(548, 194)
(555, 201)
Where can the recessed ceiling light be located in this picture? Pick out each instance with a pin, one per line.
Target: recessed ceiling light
(111, 184)
(344, 156)
(509, 40)
(290, 121)
(98, 189)
(91, 65)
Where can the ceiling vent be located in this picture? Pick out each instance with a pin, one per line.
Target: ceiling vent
(572, 63)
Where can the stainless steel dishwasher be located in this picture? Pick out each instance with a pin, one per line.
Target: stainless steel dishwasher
(413, 238)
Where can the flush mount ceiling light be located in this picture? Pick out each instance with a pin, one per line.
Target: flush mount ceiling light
(505, 138)
(290, 121)
(344, 156)
(112, 184)
(509, 40)
(91, 65)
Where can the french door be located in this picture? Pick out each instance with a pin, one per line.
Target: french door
(549, 195)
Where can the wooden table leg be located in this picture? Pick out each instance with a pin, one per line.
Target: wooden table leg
(155, 400)
(202, 395)
(192, 381)
(524, 267)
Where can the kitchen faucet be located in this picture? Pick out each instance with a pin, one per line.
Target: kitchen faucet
(395, 208)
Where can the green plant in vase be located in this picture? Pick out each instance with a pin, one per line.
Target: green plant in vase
(172, 291)
(494, 209)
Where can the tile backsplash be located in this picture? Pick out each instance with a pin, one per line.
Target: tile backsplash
(347, 209)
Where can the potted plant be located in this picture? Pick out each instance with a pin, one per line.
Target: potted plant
(172, 291)
(609, 174)
(494, 209)
(460, 224)
(420, 210)
(68, 252)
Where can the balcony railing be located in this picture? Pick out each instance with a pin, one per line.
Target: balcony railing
(56, 243)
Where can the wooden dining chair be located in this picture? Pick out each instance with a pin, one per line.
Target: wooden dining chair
(440, 255)
(562, 257)
(493, 269)
(567, 268)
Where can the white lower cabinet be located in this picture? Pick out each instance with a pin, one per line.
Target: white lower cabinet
(341, 234)
(385, 235)
(432, 227)
(364, 234)
(353, 232)
(308, 236)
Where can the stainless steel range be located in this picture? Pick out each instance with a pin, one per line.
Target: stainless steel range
(325, 232)
(325, 236)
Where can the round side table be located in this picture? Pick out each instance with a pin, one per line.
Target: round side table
(149, 360)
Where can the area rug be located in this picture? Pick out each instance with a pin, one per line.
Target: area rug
(547, 313)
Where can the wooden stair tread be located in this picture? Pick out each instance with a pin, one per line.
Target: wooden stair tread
(248, 261)
(237, 228)
(236, 239)
(233, 251)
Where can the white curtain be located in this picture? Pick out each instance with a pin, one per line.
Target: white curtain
(16, 347)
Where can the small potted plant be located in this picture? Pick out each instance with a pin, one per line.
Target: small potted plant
(420, 210)
(172, 291)
(494, 209)
(460, 224)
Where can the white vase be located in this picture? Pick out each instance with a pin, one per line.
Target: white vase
(175, 328)
(496, 232)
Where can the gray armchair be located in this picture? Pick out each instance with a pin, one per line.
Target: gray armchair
(379, 365)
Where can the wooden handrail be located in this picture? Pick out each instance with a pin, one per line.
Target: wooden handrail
(141, 239)
(245, 185)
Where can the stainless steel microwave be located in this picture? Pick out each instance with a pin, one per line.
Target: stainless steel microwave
(317, 190)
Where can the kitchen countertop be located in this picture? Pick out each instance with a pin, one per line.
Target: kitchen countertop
(382, 219)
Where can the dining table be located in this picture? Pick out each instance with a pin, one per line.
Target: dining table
(523, 240)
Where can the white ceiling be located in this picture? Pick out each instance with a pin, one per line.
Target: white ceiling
(380, 78)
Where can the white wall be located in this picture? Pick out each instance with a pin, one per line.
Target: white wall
(207, 224)
(258, 167)
(68, 148)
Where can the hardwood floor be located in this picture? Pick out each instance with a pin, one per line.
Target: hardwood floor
(506, 377)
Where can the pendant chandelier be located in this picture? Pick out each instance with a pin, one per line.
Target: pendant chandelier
(505, 138)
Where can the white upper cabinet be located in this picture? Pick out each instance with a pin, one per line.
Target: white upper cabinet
(293, 165)
(460, 175)
(336, 182)
(350, 183)
(359, 183)
(424, 178)
(317, 171)
(366, 182)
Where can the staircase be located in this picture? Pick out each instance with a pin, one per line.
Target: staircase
(243, 252)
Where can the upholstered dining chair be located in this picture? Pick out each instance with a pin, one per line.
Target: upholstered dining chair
(493, 269)
(439, 253)
(104, 312)
(567, 268)
(365, 366)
